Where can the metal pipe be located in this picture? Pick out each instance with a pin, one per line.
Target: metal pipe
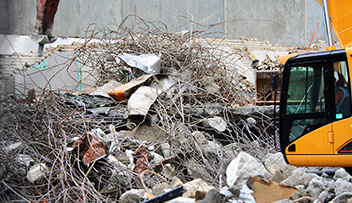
(79, 71)
(327, 22)
(40, 49)
(167, 196)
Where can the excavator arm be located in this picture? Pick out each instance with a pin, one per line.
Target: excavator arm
(340, 14)
(46, 10)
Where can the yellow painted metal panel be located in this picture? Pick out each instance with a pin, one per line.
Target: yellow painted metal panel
(315, 142)
(340, 12)
(320, 160)
(284, 58)
(342, 133)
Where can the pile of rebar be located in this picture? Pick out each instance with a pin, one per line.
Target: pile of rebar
(45, 126)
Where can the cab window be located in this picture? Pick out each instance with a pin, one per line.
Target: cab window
(305, 99)
(305, 90)
(342, 90)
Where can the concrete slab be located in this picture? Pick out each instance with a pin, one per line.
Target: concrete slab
(23, 44)
(51, 73)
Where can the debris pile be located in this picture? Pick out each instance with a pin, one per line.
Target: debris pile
(165, 119)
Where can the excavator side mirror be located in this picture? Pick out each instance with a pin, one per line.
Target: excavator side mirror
(275, 82)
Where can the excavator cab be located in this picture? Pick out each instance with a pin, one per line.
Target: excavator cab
(315, 109)
(315, 103)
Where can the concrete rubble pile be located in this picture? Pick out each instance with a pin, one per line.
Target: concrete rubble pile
(166, 118)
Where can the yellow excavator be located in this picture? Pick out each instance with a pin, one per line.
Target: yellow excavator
(315, 102)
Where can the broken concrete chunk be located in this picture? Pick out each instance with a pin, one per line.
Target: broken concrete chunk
(255, 150)
(212, 148)
(251, 122)
(273, 168)
(317, 182)
(162, 82)
(314, 193)
(308, 177)
(323, 197)
(341, 173)
(299, 177)
(161, 188)
(277, 159)
(108, 139)
(24, 158)
(115, 162)
(271, 57)
(175, 182)
(212, 88)
(196, 170)
(207, 147)
(12, 146)
(277, 191)
(157, 157)
(341, 186)
(129, 155)
(231, 150)
(243, 167)
(210, 85)
(315, 187)
(226, 192)
(194, 186)
(213, 196)
(148, 133)
(141, 100)
(102, 90)
(168, 171)
(133, 196)
(277, 177)
(166, 149)
(246, 194)
(199, 137)
(37, 171)
(110, 58)
(86, 101)
(169, 195)
(301, 189)
(182, 200)
(217, 123)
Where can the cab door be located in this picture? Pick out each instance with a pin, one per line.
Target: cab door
(342, 125)
(305, 112)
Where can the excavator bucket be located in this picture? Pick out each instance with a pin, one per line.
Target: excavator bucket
(340, 13)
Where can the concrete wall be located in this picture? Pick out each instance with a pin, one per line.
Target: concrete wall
(284, 23)
(17, 16)
(279, 22)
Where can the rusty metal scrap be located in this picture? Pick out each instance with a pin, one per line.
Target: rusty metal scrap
(124, 91)
(90, 148)
(142, 157)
